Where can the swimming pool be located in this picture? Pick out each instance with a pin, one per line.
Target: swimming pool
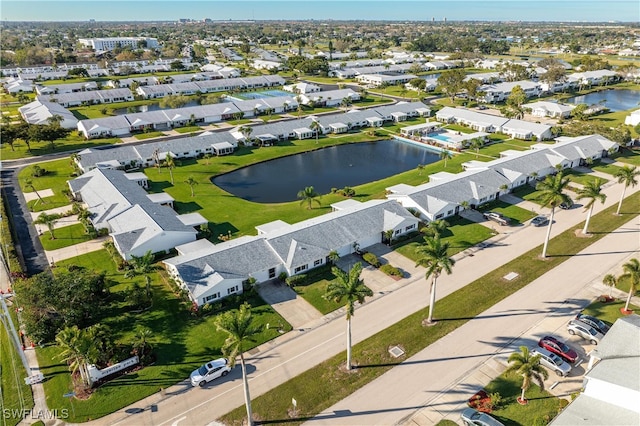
(262, 94)
(439, 137)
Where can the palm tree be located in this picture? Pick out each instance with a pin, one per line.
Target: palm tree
(48, 219)
(28, 183)
(628, 176)
(592, 190)
(435, 228)
(75, 348)
(141, 344)
(207, 158)
(316, 127)
(433, 256)
(191, 182)
(246, 132)
(552, 195)
(350, 287)
(611, 281)
(464, 205)
(308, 195)
(169, 164)
(476, 144)
(240, 329)
(333, 256)
(632, 273)
(141, 265)
(445, 155)
(529, 367)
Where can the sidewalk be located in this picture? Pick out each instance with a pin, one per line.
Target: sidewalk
(287, 356)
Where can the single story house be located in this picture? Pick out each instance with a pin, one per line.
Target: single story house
(549, 109)
(41, 112)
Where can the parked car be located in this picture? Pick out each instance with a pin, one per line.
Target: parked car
(209, 371)
(584, 330)
(482, 107)
(594, 322)
(559, 348)
(540, 221)
(471, 417)
(499, 218)
(566, 206)
(552, 361)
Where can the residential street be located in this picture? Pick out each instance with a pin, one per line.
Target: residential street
(287, 356)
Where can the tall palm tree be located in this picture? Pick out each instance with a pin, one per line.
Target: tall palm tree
(141, 265)
(141, 344)
(49, 220)
(433, 256)
(632, 273)
(316, 127)
(246, 132)
(75, 348)
(628, 176)
(435, 228)
(308, 196)
(28, 184)
(592, 191)
(476, 144)
(445, 155)
(191, 182)
(170, 164)
(552, 195)
(529, 367)
(350, 287)
(240, 330)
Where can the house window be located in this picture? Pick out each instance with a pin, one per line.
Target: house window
(439, 216)
(410, 227)
(483, 199)
(317, 262)
(450, 212)
(300, 268)
(232, 290)
(397, 232)
(211, 297)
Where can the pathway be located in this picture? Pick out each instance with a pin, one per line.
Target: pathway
(293, 308)
(75, 250)
(44, 193)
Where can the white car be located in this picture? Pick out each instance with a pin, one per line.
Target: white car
(471, 417)
(585, 331)
(209, 371)
(552, 361)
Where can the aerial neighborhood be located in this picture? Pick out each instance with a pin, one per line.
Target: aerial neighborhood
(193, 210)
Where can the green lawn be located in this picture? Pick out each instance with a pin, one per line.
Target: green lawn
(58, 172)
(181, 342)
(461, 234)
(608, 312)
(542, 406)
(631, 157)
(325, 384)
(15, 394)
(459, 128)
(607, 168)
(518, 215)
(188, 129)
(65, 237)
(315, 291)
(70, 143)
(581, 178)
(148, 135)
(528, 193)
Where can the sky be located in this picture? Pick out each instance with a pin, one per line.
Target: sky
(407, 10)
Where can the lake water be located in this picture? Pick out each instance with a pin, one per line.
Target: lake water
(615, 100)
(279, 180)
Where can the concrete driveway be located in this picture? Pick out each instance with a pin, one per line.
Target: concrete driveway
(287, 303)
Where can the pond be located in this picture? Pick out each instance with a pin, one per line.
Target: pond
(279, 180)
(150, 107)
(615, 100)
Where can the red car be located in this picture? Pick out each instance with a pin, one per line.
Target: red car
(559, 348)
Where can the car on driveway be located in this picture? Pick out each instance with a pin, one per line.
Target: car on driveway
(566, 206)
(552, 361)
(540, 221)
(594, 322)
(584, 330)
(471, 417)
(559, 348)
(209, 371)
(499, 218)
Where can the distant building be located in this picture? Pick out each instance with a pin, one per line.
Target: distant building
(110, 43)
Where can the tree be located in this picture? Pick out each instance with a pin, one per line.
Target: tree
(191, 182)
(170, 164)
(628, 176)
(433, 256)
(632, 274)
(246, 132)
(308, 196)
(28, 183)
(435, 228)
(141, 265)
(141, 345)
(239, 327)
(316, 127)
(516, 98)
(445, 155)
(49, 220)
(476, 144)
(333, 256)
(552, 195)
(529, 368)
(611, 281)
(451, 81)
(350, 287)
(75, 348)
(592, 191)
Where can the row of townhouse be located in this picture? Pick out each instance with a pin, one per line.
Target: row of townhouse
(41, 112)
(377, 80)
(89, 97)
(15, 85)
(121, 156)
(137, 222)
(177, 117)
(518, 129)
(55, 89)
(211, 272)
(209, 86)
(499, 92)
(482, 182)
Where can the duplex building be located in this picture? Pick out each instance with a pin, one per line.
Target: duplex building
(55, 89)
(41, 112)
(89, 97)
(499, 92)
(549, 109)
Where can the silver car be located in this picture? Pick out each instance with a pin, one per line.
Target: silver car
(552, 361)
(584, 330)
(471, 417)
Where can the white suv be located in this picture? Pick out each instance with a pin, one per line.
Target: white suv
(552, 361)
(585, 331)
(209, 371)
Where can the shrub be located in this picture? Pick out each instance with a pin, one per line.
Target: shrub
(391, 270)
(371, 259)
(283, 276)
(38, 171)
(296, 280)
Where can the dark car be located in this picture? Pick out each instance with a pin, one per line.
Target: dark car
(594, 322)
(559, 348)
(566, 206)
(499, 218)
(540, 221)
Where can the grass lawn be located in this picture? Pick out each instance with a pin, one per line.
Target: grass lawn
(65, 237)
(188, 129)
(15, 394)
(399, 91)
(608, 312)
(325, 384)
(315, 291)
(181, 342)
(149, 135)
(70, 143)
(581, 178)
(607, 168)
(461, 234)
(459, 128)
(58, 172)
(542, 406)
(518, 215)
(527, 192)
(631, 157)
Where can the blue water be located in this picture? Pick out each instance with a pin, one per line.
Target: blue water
(439, 137)
(263, 94)
(279, 180)
(615, 100)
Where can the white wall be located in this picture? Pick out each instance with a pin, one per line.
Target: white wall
(613, 394)
(165, 241)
